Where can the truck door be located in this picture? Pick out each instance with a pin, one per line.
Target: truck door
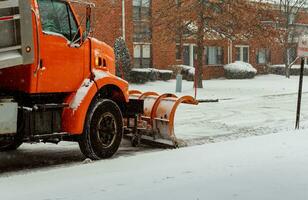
(62, 56)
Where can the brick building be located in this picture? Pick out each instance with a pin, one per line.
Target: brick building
(132, 20)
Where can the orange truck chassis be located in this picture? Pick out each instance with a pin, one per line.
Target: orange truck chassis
(57, 83)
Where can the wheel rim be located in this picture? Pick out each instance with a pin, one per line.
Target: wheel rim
(107, 129)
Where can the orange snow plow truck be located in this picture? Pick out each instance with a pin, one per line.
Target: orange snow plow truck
(58, 84)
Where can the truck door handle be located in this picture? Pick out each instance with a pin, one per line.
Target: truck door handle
(41, 64)
(42, 68)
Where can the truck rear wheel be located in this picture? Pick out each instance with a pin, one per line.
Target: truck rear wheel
(103, 130)
(10, 145)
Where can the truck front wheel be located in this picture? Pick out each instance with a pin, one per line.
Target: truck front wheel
(103, 130)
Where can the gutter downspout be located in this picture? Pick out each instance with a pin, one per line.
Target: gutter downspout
(231, 51)
(123, 20)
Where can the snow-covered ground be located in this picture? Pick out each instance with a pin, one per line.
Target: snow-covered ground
(272, 167)
(269, 167)
(264, 105)
(226, 89)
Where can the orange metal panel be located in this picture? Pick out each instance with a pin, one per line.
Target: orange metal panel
(73, 119)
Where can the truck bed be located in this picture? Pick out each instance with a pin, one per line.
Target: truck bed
(16, 35)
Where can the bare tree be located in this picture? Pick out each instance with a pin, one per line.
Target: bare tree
(289, 14)
(226, 19)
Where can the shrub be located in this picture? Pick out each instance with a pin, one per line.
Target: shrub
(164, 75)
(240, 70)
(123, 59)
(143, 75)
(294, 71)
(187, 72)
(153, 75)
(140, 75)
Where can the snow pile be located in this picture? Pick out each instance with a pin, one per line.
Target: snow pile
(240, 66)
(146, 70)
(189, 69)
(162, 71)
(239, 70)
(149, 70)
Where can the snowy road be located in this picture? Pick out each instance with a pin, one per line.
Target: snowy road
(264, 105)
(30, 158)
(241, 117)
(271, 167)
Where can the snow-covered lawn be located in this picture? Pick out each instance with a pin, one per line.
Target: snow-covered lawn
(225, 89)
(264, 105)
(272, 167)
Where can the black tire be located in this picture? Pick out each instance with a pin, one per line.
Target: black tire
(103, 130)
(13, 143)
(10, 144)
(136, 141)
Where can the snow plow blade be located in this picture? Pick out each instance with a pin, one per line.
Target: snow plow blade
(155, 126)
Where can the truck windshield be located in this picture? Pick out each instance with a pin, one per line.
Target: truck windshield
(56, 17)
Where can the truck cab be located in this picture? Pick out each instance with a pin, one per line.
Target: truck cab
(55, 78)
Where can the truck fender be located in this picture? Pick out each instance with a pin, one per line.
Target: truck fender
(73, 117)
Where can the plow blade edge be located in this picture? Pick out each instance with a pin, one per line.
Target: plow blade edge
(156, 124)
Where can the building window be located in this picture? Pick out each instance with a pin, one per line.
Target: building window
(214, 55)
(142, 32)
(195, 53)
(141, 10)
(292, 54)
(263, 56)
(142, 55)
(178, 53)
(142, 35)
(141, 20)
(242, 53)
(186, 55)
